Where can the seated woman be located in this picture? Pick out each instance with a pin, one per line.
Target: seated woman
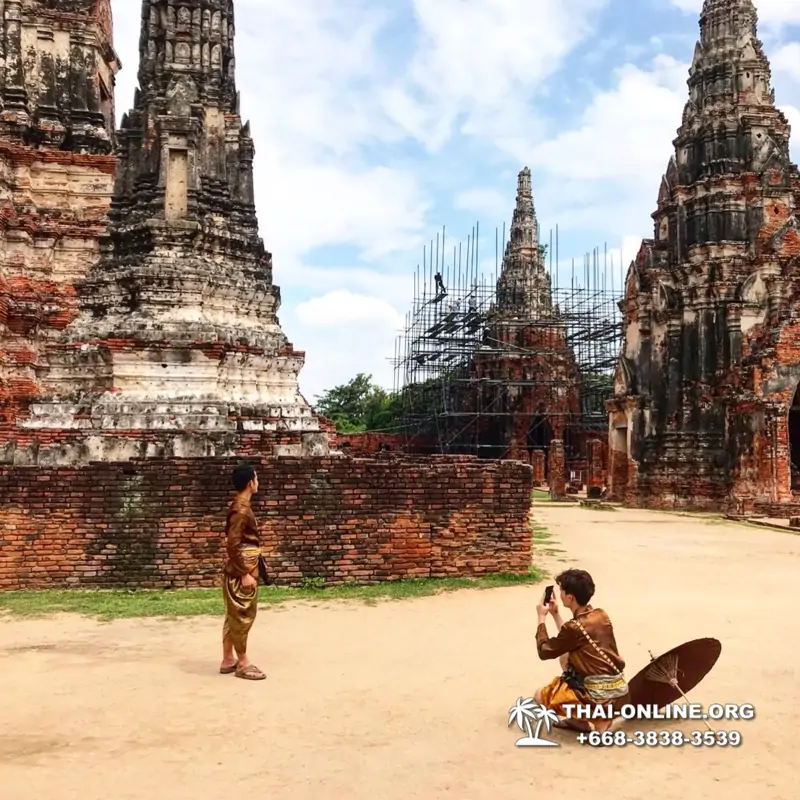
(592, 667)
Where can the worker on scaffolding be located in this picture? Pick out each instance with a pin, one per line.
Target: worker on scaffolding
(440, 290)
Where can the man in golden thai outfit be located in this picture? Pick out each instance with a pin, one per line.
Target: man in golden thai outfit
(593, 670)
(240, 578)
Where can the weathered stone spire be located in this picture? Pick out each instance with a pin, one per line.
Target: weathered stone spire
(57, 66)
(183, 37)
(523, 288)
(730, 119)
(705, 299)
(178, 329)
(56, 89)
(524, 225)
(722, 20)
(199, 163)
(184, 195)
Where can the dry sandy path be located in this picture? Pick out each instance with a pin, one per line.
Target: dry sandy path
(410, 699)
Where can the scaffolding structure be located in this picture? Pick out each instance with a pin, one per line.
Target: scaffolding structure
(455, 328)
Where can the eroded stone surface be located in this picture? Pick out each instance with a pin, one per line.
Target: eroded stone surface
(176, 331)
(712, 344)
(523, 288)
(56, 180)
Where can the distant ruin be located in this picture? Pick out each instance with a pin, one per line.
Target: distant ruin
(516, 365)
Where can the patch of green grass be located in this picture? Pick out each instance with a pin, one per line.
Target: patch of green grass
(541, 494)
(111, 604)
(540, 533)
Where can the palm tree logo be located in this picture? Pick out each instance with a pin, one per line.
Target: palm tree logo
(522, 713)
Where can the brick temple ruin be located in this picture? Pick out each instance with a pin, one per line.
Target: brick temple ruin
(515, 366)
(172, 346)
(140, 349)
(56, 151)
(706, 412)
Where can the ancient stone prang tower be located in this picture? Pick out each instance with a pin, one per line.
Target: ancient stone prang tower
(177, 349)
(523, 288)
(57, 67)
(525, 380)
(710, 365)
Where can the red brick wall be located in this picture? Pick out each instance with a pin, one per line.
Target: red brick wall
(775, 510)
(370, 442)
(160, 523)
(619, 469)
(596, 476)
(557, 470)
(538, 464)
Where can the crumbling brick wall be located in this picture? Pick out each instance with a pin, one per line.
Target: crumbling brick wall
(557, 470)
(57, 168)
(160, 523)
(370, 442)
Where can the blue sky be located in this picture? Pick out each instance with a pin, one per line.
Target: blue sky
(377, 122)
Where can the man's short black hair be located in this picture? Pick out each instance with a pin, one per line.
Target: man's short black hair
(578, 583)
(242, 475)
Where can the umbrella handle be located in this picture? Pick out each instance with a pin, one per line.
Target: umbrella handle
(705, 722)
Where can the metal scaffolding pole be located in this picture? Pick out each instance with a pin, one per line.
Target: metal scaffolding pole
(471, 377)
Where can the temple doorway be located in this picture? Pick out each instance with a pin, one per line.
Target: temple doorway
(540, 434)
(794, 441)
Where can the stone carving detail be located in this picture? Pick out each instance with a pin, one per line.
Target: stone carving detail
(57, 64)
(754, 291)
(176, 348)
(715, 280)
(523, 288)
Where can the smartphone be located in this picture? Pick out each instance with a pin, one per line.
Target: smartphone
(548, 594)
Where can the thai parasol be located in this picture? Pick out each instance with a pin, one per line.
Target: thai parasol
(674, 673)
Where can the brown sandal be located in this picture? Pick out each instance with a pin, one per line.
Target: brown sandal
(250, 673)
(228, 670)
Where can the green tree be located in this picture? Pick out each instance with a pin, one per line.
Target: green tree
(358, 405)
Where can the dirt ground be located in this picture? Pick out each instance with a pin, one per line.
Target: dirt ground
(410, 698)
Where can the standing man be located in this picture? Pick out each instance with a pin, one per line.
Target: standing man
(240, 579)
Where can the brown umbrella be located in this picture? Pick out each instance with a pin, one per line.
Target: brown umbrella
(671, 675)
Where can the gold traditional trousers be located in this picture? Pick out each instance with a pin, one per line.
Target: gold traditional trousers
(558, 694)
(241, 604)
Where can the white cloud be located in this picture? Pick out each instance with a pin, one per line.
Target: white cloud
(485, 201)
(388, 285)
(787, 60)
(771, 13)
(342, 308)
(344, 334)
(605, 173)
(625, 132)
(480, 62)
(379, 210)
